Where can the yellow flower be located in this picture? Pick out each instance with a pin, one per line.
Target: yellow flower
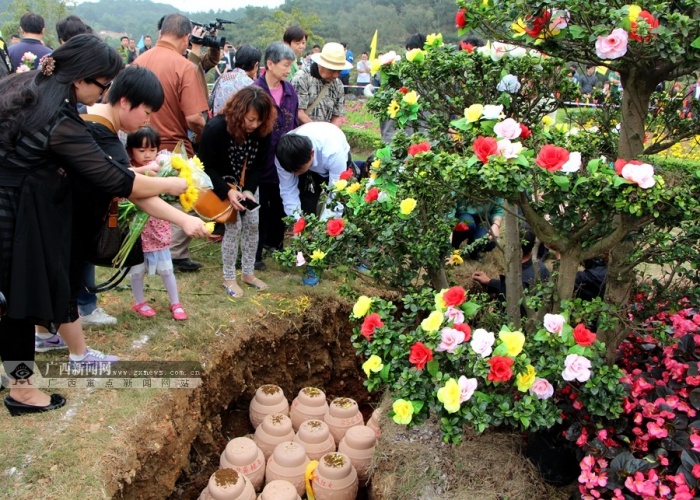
(354, 187)
(376, 164)
(177, 162)
(374, 364)
(373, 176)
(526, 380)
(411, 97)
(415, 55)
(513, 341)
(432, 323)
(455, 259)
(375, 65)
(439, 301)
(393, 108)
(403, 411)
(434, 39)
(340, 184)
(518, 27)
(473, 113)
(449, 396)
(634, 11)
(562, 127)
(198, 162)
(189, 198)
(407, 206)
(318, 255)
(361, 307)
(547, 120)
(210, 226)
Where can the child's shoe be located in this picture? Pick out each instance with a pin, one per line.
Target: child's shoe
(143, 309)
(179, 313)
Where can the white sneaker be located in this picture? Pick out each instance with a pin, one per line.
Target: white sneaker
(98, 317)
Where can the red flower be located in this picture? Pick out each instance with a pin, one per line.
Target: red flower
(538, 23)
(484, 147)
(372, 195)
(461, 227)
(461, 18)
(696, 471)
(465, 329)
(420, 355)
(552, 158)
(346, 175)
(501, 369)
(334, 227)
(403, 90)
(414, 149)
(583, 336)
(455, 296)
(466, 46)
(299, 226)
(371, 323)
(651, 21)
(525, 132)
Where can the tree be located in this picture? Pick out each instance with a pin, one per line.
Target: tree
(51, 10)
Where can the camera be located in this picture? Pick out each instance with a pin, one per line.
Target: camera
(209, 38)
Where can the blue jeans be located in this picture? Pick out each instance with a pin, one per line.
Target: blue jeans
(87, 301)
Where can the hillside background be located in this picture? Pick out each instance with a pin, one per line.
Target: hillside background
(350, 21)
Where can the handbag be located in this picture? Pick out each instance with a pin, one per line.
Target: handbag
(212, 208)
(109, 239)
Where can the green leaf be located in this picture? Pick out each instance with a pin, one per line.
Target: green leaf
(501, 350)
(562, 181)
(433, 367)
(417, 406)
(619, 181)
(577, 349)
(593, 166)
(471, 161)
(580, 181)
(384, 374)
(470, 308)
(696, 43)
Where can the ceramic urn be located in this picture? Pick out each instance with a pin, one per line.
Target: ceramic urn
(288, 462)
(309, 404)
(343, 414)
(268, 399)
(274, 429)
(227, 484)
(279, 490)
(244, 456)
(316, 439)
(335, 478)
(358, 444)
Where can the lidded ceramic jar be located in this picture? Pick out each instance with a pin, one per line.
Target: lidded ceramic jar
(316, 439)
(279, 490)
(373, 423)
(358, 444)
(227, 484)
(343, 413)
(244, 456)
(309, 404)
(268, 399)
(335, 478)
(274, 429)
(288, 462)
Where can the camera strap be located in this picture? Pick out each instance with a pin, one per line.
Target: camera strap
(323, 93)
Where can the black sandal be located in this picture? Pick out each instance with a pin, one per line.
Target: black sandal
(16, 408)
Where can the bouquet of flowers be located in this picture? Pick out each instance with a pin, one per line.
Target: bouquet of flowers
(26, 63)
(175, 164)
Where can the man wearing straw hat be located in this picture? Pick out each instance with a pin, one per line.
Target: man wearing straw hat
(320, 91)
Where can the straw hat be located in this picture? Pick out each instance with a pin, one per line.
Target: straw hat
(332, 57)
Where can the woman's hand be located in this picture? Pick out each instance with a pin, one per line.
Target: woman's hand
(194, 227)
(235, 197)
(174, 186)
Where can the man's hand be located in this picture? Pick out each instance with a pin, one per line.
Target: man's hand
(481, 277)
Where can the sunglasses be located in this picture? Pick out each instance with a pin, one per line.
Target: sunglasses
(103, 86)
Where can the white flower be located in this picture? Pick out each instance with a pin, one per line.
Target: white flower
(517, 52)
(467, 386)
(573, 164)
(484, 50)
(482, 342)
(509, 149)
(300, 259)
(507, 129)
(498, 51)
(28, 57)
(492, 112)
(509, 83)
(454, 314)
(573, 131)
(383, 196)
(554, 323)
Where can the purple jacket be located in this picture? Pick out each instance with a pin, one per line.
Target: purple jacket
(286, 120)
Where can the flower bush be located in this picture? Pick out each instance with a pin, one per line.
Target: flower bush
(653, 450)
(433, 357)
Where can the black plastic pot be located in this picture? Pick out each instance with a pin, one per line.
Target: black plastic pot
(553, 456)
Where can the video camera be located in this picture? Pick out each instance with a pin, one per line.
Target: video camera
(210, 38)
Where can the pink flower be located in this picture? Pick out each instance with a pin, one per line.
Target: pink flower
(695, 439)
(642, 175)
(696, 471)
(553, 323)
(509, 149)
(612, 46)
(482, 342)
(451, 339)
(389, 58)
(467, 387)
(542, 389)
(576, 368)
(454, 314)
(656, 431)
(507, 129)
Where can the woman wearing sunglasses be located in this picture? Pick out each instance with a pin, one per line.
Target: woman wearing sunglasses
(43, 145)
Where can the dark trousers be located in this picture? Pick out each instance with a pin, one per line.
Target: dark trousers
(310, 188)
(16, 346)
(271, 227)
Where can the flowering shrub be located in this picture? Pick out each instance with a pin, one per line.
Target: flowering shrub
(653, 451)
(435, 358)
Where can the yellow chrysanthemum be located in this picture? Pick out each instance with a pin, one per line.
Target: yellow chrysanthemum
(373, 364)
(210, 226)
(393, 109)
(514, 342)
(407, 206)
(354, 187)
(318, 255)
(449, 395)
(403, 411)
(433, 322)
(411, 98)
(361, 307)
(526, 380)
(198, 163)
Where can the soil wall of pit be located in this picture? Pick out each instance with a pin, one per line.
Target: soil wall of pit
(177, 450)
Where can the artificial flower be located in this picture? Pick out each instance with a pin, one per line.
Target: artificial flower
(552, 158)
(456, 316)
(300, 259)
(407, 206)
(612, 46)
(371, 323)
(554, 323)
(318, 255)
(450, 395)
(454, 296)
(633, 12)
(464, 328)
(620, 164)
(583, 336)
(340, 184)
(525, 132)
(403, 411)
(498, 51)
(473, 113)
(525, 381)
(518, 27)
(299, 226)
(542, 389)
(514, 342)
(454, 259)
(482, 342)
(461, 227)
(509, 83)
(538, 23)
(346, 175)
(335, 227)
(389, 57)
(411, 98)
(415, 55)
(516, 53)
(420, 355)
(492, 112)
(353, 188)
(642, 31)
(467, 386)
(415, 149)
(509, 150)
(432, 322)
(434, 40)
(573, 164)
(210, 226)
(642, 175)
(484, 147)
(547, 121)
(507, 129)
(373, 364)
(576, 368)
(372, 195)
(501, 369)
(440, 301)
(461, 18)
(361, 307)
(393, 109)
(466, 46)
(450, 339)
(376, 164)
